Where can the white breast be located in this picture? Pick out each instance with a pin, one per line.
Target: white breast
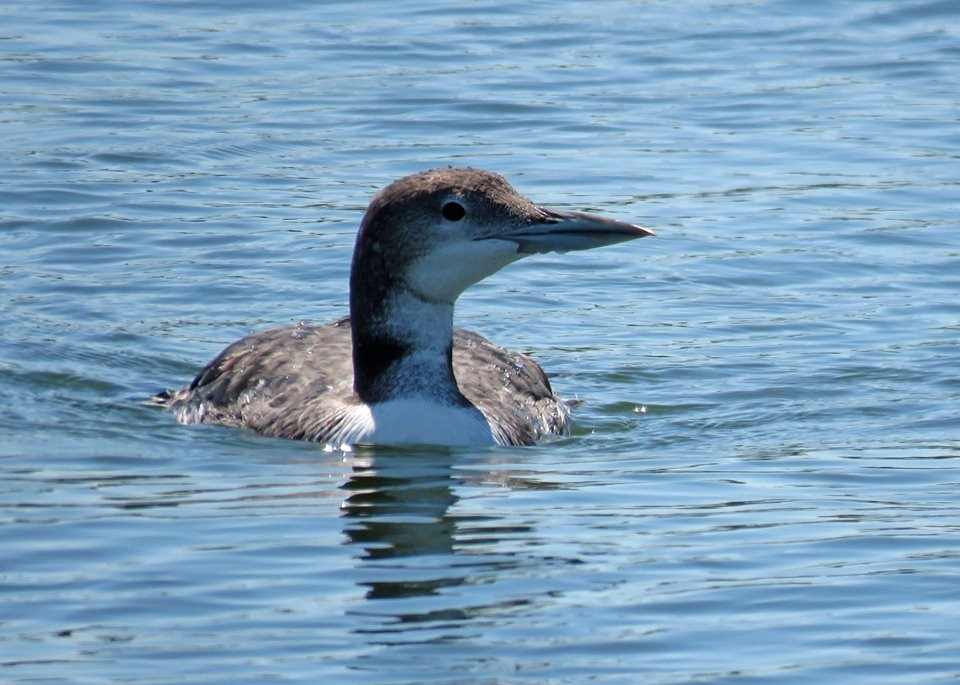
(415, 422)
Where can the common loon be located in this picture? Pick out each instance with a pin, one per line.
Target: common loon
(396, 371)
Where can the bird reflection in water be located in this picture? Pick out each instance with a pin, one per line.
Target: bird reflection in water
(398, 507)
(429, 565)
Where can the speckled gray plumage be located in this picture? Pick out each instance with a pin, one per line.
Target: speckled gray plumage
(297, 382)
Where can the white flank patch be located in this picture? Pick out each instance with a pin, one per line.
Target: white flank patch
(416, 422)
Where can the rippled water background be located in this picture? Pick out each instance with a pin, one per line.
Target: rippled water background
(762, 485)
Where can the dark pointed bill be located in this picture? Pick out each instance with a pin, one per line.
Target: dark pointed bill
(570, 231)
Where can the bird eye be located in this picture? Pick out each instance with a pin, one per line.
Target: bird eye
(453, 211)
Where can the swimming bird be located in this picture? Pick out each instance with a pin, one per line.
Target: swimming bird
(396, 371)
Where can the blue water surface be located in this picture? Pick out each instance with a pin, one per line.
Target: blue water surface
(761, 482)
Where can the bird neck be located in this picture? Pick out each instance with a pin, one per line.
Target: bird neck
(402, 347)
